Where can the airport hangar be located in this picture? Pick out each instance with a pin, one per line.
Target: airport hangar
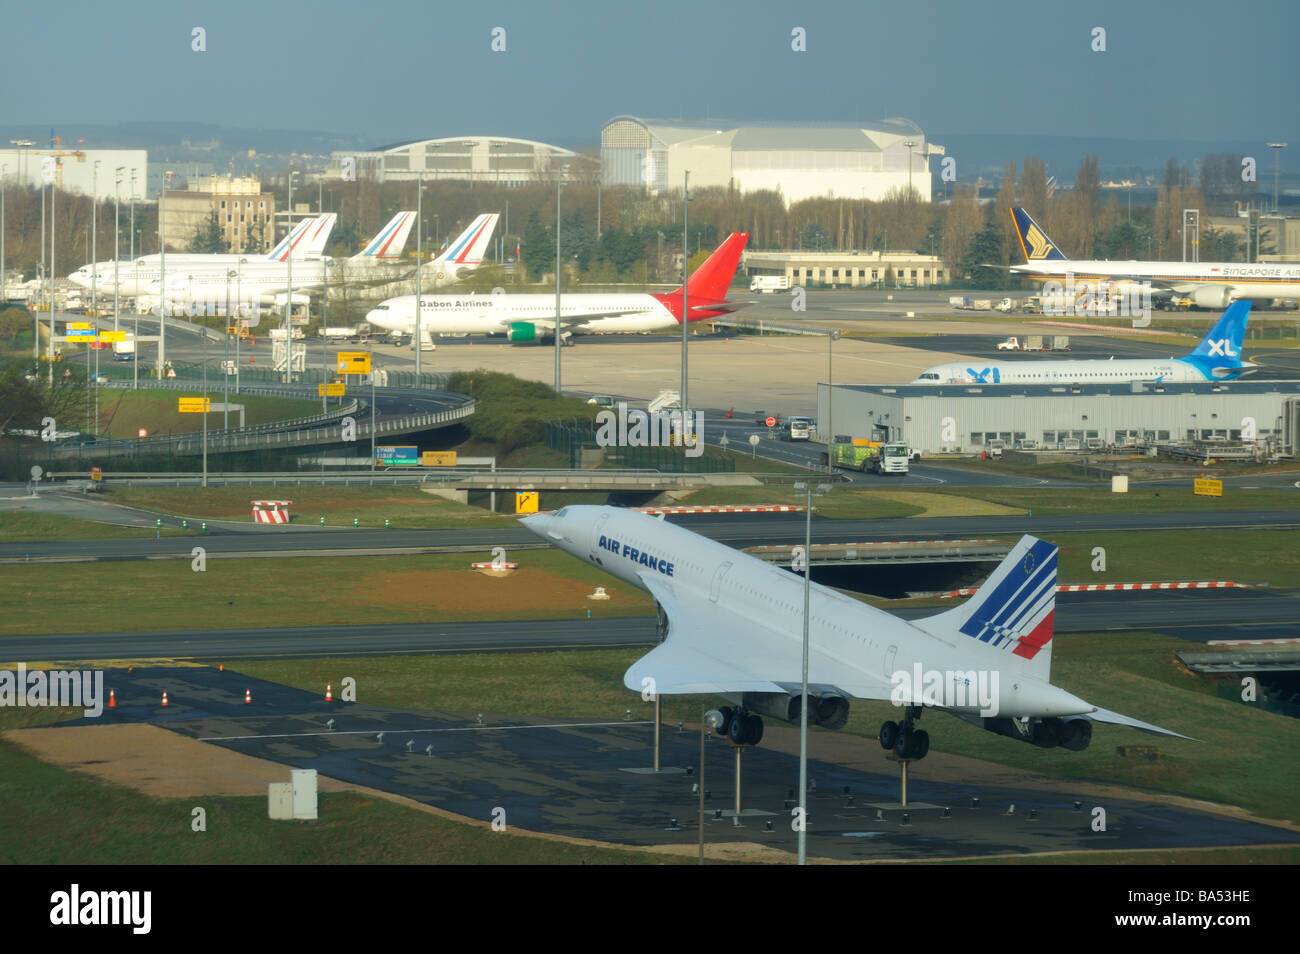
(800, 160)
(1113, 413)
(499, 160)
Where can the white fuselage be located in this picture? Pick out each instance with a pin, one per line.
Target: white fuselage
(1173, 370)
(1255, 280)
(855, 643)
(494, 314)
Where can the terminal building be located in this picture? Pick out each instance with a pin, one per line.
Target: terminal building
(850, 269)
(88, 171)
(494, 159)
(800, 160)
(966, 418)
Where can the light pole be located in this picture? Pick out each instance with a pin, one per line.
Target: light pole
(686, 312)
(830, 401)
(131, 206)
(559, 182)
(909, 144)
(324, 338)
(54, 191)
(94, 229)
(117, 208)
(803, 696)
(162, 273)
(1277, 154)
(288, 303)
(4, 169)
(417, 340)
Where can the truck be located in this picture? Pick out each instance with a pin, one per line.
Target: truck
(864, 453)
(892, 458)
(769, 283)
(341, 333)
(1007, 305)
(1025, 343)
(958, 301)
(124, 350)
(982, 304)
(1060, 343)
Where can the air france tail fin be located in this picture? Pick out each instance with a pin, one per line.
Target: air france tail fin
(712, 279)
(293, 240)
(468, 248)
(318, 234)
(388, 244)
(1012, 612)
(1033, 240)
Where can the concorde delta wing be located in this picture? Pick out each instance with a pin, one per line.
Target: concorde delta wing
(711, 650)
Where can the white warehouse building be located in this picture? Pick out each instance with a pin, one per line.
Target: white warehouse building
(966, 418)
(800, 160)
(499, 160)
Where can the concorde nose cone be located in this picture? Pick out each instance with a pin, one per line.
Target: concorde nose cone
(538, 523)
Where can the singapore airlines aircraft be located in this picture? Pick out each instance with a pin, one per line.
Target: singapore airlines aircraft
(1216, 358)
(1208, 284)
(528, 317)
(735, 624)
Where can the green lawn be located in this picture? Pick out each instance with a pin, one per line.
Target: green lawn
(122, 411)
(19, 527)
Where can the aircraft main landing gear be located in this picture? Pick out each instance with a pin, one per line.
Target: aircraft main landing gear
(908, 742)
(741, 727)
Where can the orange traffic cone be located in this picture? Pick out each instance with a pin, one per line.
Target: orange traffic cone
(329, 693)
(248, 696)
(112, 700)
(164, 702)
(221, 667)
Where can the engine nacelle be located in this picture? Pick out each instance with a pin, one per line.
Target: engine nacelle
(1073, 733)
(1214, 297)
(522, 331)
(824, 710)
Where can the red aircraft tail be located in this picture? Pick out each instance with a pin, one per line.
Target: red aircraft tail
(712, 279)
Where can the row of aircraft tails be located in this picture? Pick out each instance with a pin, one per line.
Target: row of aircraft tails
(298, 261)
(531, 317)
(735, 624)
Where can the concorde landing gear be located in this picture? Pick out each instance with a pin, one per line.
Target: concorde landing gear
(740, 726)
(908, 743)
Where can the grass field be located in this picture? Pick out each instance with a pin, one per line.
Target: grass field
(122, 411)
(18, 527)
(1085, 500)
(308, 591)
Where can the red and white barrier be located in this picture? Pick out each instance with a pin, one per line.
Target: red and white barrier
(758, 508)
(271, 511)
(1108, 588)
(494, 566)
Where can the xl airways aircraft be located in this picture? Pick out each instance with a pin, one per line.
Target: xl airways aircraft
(1208, 284)
(1216, 358)
(528, 317)
(735, 624)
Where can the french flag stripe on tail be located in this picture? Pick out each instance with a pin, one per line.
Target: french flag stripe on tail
(1017, 612)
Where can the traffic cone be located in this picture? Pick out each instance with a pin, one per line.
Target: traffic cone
(329, 692)
(221, 667)
(248, 696)
(164, 702)
(112, 700)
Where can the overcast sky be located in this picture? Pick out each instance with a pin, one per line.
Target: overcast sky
(401, 69)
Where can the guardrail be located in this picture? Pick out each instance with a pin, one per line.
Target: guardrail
(270, 437)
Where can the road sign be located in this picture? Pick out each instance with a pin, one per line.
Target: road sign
(402, 455)
(1207, 487)
(96, 473)
(754, 439)
(526, 501)
(193, 405)
(438, 459)
(112, 336)
(329, 390)
(80, 326)
(354, 362)
(771, 422)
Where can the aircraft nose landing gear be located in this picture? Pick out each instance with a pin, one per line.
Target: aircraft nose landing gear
(908, 742)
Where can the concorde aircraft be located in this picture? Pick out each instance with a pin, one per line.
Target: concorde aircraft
(734, 627)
